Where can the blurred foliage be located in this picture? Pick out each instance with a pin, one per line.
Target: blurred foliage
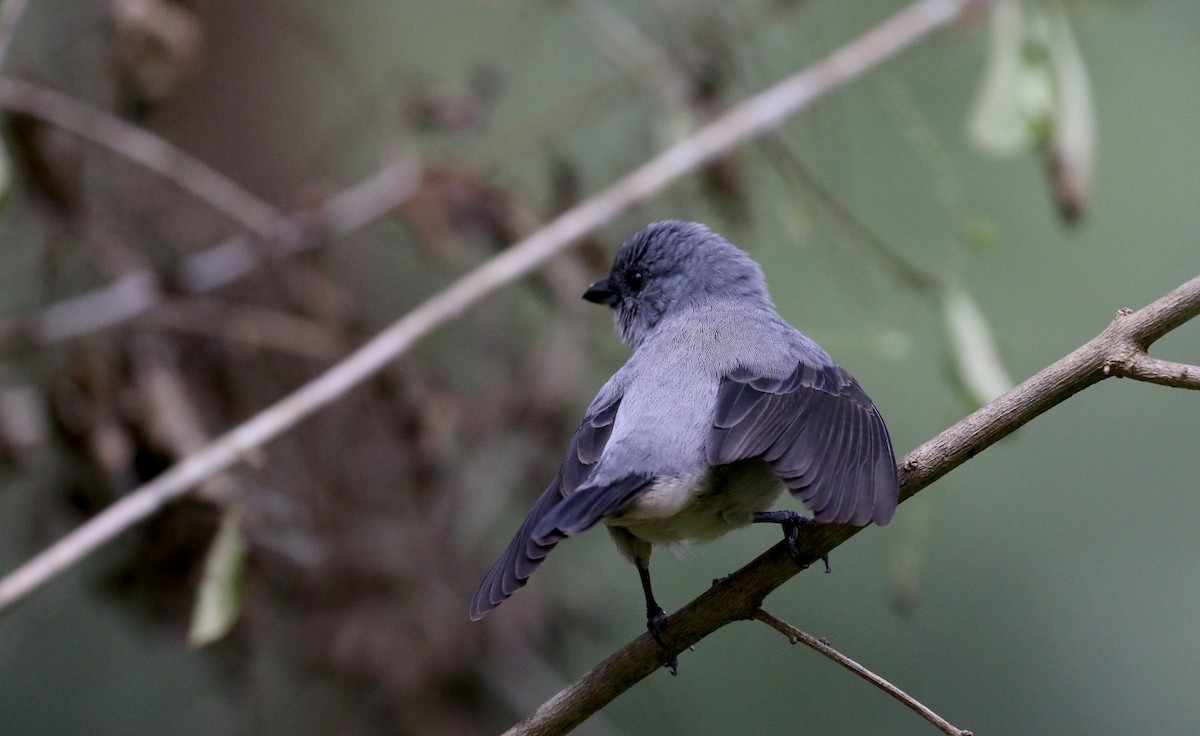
(1027, 599)
(223, 586)
(1036, 96)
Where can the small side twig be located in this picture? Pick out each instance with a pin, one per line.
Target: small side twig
(1141, 366)
(796, 636)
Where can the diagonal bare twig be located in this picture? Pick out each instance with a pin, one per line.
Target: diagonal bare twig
(752, 117)
(796, 636)
(144, 148)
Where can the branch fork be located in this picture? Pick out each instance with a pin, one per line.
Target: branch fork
(1131, 359)
(1118, 351)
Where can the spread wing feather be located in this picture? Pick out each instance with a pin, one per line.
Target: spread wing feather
(819, 432)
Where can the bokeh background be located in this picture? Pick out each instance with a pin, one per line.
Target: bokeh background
(1049, 585)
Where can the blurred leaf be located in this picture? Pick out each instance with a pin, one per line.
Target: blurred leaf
(1015, 107)
(219, 601)
(45, 160)
(5, 177)
(1072, 149)
(1036, 96)
(159, 47)
(916, 529)
(976, 359)
(981, 231)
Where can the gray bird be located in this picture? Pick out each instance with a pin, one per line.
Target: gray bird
(722, 405)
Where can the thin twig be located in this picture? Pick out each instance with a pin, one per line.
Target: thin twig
(144, 148)
(796, 636)
(1143, 367)
(744, 121)
(784, 158)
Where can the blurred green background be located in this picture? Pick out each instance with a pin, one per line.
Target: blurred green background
(1047, 585)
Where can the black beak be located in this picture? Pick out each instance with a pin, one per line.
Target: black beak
(602, 292)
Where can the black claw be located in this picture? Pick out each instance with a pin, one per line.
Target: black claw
(792, 523)
(791, 532)
(656, 617)
(656, 623)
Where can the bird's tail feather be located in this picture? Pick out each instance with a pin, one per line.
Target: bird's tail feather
(552, 519)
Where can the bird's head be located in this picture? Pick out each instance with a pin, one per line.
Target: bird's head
(672, 265)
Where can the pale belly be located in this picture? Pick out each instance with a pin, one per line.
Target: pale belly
(700, 507)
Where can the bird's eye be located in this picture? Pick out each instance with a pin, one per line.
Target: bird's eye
(635, 280)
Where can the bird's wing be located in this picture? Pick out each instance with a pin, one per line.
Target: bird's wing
(820, 433)
(584, 508)
(552, 518)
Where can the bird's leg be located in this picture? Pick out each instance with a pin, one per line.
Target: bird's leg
(791, 522)
(656, 617)
(638, 552)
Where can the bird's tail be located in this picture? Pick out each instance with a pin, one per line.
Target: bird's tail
(552, 519)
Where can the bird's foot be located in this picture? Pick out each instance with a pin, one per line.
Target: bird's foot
(656, 623)
(792, 523)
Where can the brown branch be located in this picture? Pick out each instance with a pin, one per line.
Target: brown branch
(738, 596)
(796, 636)
(1130, 332)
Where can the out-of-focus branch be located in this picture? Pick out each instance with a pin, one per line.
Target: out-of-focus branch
(137, 292)
(173, 417)
(796, 636)
(744, 121)
(738, 596)
(632, 51)
(144, 148)
(780, 155)
(257, 327)
(10, 15)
